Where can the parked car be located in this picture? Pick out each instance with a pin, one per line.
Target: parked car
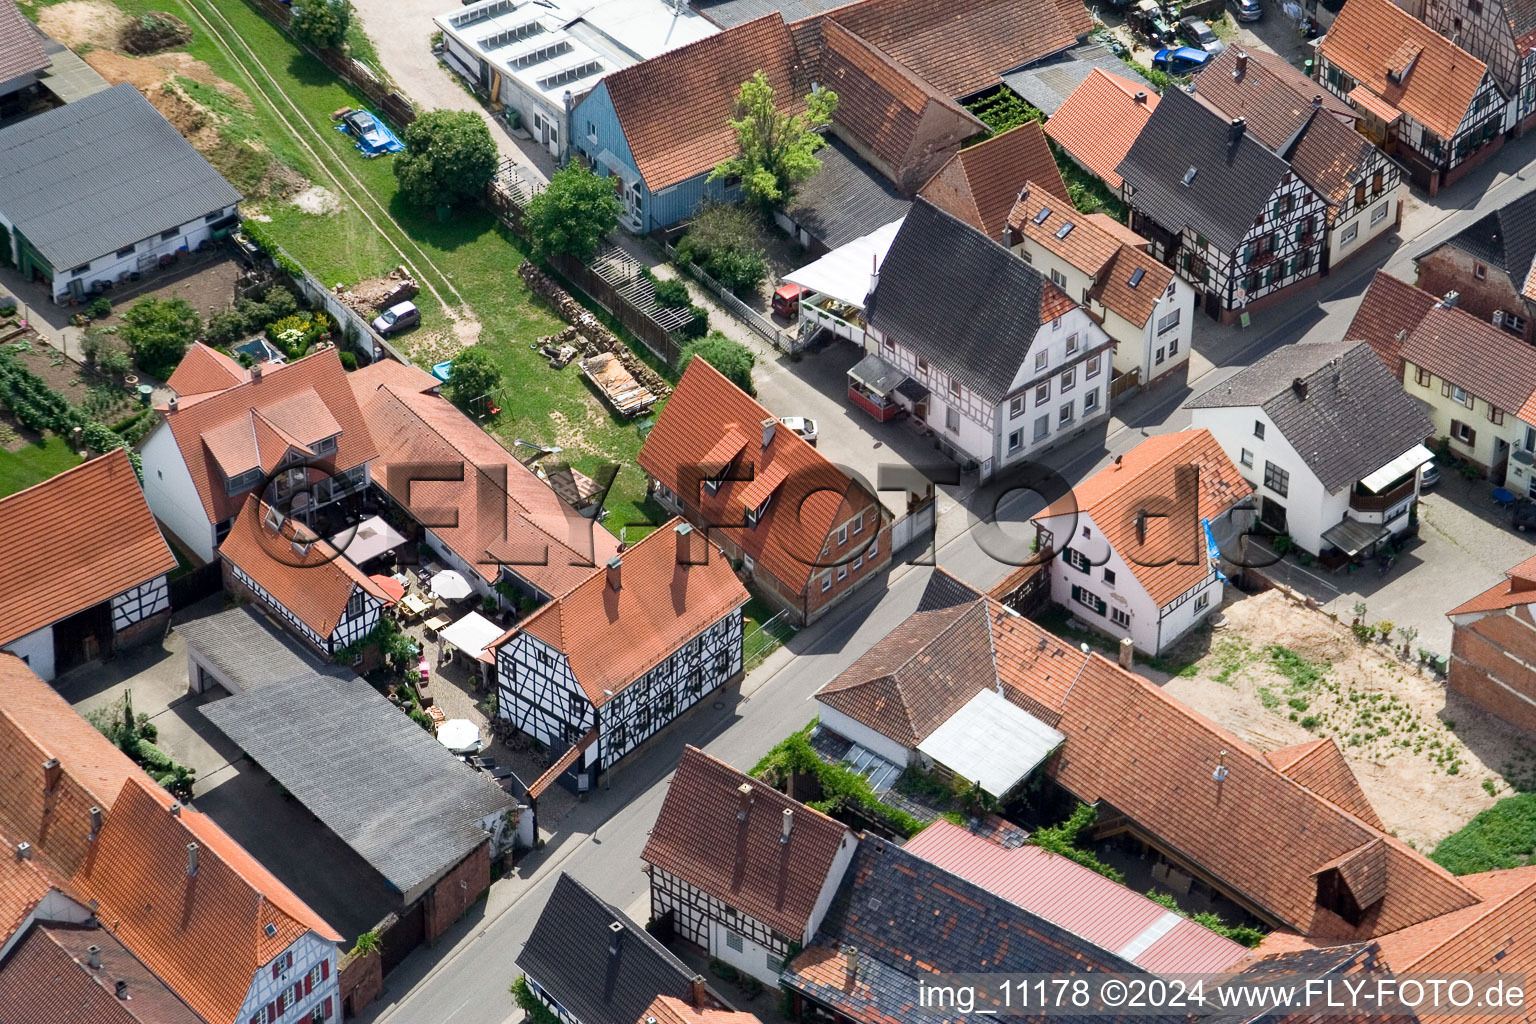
(397, 318)
(786, 300)
(801, 425)
(1523, 519)
(1199, 35)
(1182, 60)
(1429, 476)
(1246, 10)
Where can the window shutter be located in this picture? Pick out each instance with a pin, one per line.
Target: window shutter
(325, 969)
(1077, 592)
(309, 984)
(1445, 388)
(276, 968)
(327, 1007)
(271, 1012)
(1099, 605)
(290, 959)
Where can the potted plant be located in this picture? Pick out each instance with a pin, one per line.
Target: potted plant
(1359, 610)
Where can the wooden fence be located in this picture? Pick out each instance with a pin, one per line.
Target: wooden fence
(784, 341)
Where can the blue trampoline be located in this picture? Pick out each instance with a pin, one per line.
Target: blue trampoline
(371, 136)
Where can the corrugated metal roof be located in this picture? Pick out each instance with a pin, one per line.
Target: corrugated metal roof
(991, 742)
(249, 650)
(1078, 899)
(1046, 84)
(102, 173)
(379, 781)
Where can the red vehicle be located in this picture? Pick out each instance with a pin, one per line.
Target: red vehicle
(786, 300)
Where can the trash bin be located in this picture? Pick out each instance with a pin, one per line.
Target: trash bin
(146, 393)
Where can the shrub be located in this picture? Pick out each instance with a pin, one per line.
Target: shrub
(348, 360)
(1062, 839)
(532, 1006)
(295, 334)
(321, 23)
(99, 308)
(158, 332)
(449, 157)
(697, 325)
(279, 302)
(573, 214)
(366, 943)
(731, 358)
(842, 788)
(473, 377)
(671, 292)
(727, 242)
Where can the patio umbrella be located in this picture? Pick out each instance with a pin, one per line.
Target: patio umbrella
(449, 585)
(390, 586)
(460, 735)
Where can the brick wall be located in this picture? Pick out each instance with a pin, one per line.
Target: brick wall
(1447, 269)
(151, 628)
(359, 980)
(448, 899)
(1482, 671)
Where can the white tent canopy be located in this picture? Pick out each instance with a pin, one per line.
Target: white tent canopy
(367, 540)
(472, 634)
(844, 273)
(991, 742)
(460, 735)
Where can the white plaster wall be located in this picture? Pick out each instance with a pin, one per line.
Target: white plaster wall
(36, 649)
(863, 735)
(172, 495)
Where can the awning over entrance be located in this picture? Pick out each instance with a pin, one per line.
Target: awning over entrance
(876, 375)
(912, 390)
(1401, 466)
(1353, 537)
(1364, 99)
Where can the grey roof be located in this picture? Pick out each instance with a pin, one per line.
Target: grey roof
(379, 781)
(1505, 239)
(68, 77)
(730, 13)
(21, 45)
(946, 591)
(846, 199)
(1355, 416)
(104, 172)
(958, 299)
(1047, 83)
(569, 955)
(1231, 183)
(250, 649)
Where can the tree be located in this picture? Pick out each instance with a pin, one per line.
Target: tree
(321, 23)
(731, 358)
(473, 377)
(449, 156)
(778, 150)
(727, 241)
(159, 331)
(574, 214)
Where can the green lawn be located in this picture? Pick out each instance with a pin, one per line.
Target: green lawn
(34, 464)
(1503, 836)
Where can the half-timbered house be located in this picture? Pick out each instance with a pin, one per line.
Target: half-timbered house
(1501, 34)
(806, 532)
(1426, 100)
(85, 567)
(301, 579)
(1491, 266)
(1220, 207)
(740, 870)
(628, 650)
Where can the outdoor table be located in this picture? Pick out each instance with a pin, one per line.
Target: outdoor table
(438, 622)
(413, 605)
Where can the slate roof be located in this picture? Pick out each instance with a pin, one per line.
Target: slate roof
(379, 781)
(700, 837)
(1100, 121)
(946, 591)
(1504, 239)
(1343, 430)
(21, 45)
(46, 977)
(846, 199)
(1390, 310)
(1232, 184)
(983, 330)
(1371, 37)
(1164, 557)
(910, 920)
(980, 183)
(73, 541)
(106, 171)
(249, 649)
(922, 672)
(1047, 83)
(568, 954)
(1517, 588)
(613, 637)
(1476, 356)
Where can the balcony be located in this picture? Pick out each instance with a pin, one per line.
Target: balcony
(1362, 500)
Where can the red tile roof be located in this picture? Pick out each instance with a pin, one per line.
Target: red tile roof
(665, 599)
(1369, 38)
(1497, 934)
(669, 1010)
(980, 183)
(23, 884)
(204, 370)
(1262, 834)
(73, 541)
(499, 509)
(672, 141)
(1388, 313)
(1100, 120)
(816, 495)
(1106, 223)
(314, 581)
(135, 869)
(1518, 588)
(1320, 766)
(220, 429)
(1475, 355)
(1115, 495)
(1078, 899)
(701, 837)
(47, 977)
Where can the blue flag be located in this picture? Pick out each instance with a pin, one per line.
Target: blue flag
(1212, 550)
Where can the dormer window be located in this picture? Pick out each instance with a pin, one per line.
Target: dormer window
(325, 446)
(755, 515)
(242, 482)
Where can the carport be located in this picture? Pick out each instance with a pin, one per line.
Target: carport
(241, 649)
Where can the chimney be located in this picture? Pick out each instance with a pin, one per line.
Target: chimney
(1317, 102)
(684, 543)
(51, 773)
(93, 957)
(851, 961)
(768, 428)
(743, 801)
(24, 851)
(1242, 66)
(95, 823)
(256, 372)
(1300, 387)
(700, 998)
(789, 825)
(616, 941)
(175, 809)
(1235, 130)
(1119, 459)
(1450, 300)
(1127, 653)
(613, 572)
(172, 407)
(1220, 774)
(191, 860)
(1141, 96)
(874, 273)
(122, 990)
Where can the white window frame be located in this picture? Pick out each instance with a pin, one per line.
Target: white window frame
(1016, 407)
(1068, 379)
(1042, 394)
(1091, 401)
